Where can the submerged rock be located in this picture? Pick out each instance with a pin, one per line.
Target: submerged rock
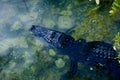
(16, 26)
(48, 22)
(28, 16)
(52, 52)
(60, 63)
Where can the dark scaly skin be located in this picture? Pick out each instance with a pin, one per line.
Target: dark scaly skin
(90, 53)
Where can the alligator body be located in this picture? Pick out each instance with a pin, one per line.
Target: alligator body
(91, 53)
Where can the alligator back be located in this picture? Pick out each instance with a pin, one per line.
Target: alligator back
(103, 54)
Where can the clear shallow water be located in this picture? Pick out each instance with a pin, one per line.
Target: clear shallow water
(24, 58)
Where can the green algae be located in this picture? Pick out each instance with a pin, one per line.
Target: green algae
(116, 45)
(115, 7)
(93, 27)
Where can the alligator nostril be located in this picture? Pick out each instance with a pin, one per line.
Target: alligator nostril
(32, 28)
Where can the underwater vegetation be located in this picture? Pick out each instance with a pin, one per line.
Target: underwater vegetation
(96, 1)
(112, 5)
(116, 40)
(116, 44)
(115, 7)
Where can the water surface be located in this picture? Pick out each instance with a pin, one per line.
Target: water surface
(24, 58)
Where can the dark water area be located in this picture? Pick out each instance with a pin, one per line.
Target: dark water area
(22, 57)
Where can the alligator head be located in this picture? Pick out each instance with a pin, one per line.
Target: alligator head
(54, 38)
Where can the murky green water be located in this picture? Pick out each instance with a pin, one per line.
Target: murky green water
(24, 58)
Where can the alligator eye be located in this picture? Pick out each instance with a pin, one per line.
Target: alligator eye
(65, 41)
(52, 35)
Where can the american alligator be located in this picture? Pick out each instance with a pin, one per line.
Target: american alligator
(90, 53)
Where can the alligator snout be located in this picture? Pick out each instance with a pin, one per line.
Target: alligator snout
(38, 31)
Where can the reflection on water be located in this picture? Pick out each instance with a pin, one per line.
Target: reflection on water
(24, 58)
